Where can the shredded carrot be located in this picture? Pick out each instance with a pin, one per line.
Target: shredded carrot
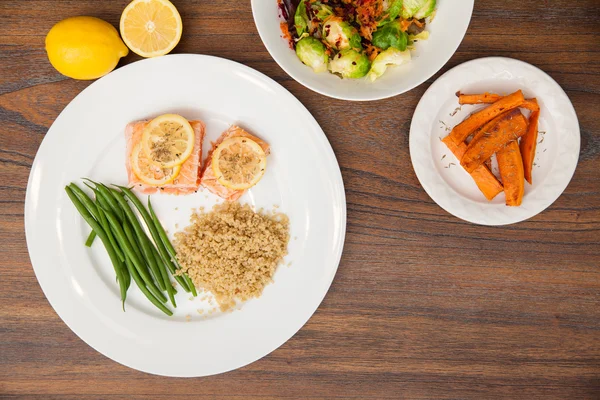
(285, 32)
(404, 24)
(372, 51)
(368, 12)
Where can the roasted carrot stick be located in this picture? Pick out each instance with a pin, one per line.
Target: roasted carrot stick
(531, 104)
(488, 163)
(489, 98)
(510, 164)
(485, 98)
(476, 120)
(483, 177)
(508, 127)
(529, 143)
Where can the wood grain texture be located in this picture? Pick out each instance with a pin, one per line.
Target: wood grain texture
(424, 305)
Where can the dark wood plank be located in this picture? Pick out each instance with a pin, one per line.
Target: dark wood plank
(423, 306)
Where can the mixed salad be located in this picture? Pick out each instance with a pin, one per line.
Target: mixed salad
(355, 38)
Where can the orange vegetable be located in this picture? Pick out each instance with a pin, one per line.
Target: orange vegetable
(488, 163)
(529, 143)
(489, 98)
(476, 120)
(485, 98)
(507, 127)
(483, 177)
(510, 164)
(531, 104)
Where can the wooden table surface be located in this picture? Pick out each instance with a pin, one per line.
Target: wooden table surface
(424, 305)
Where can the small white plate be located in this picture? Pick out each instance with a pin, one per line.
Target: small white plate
(302, 178)
(446, 32)
(440, 173)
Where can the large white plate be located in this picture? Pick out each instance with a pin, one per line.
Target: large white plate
(86, 140)
(446, 33)
(449, 185)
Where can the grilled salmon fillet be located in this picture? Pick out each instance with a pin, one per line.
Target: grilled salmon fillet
(208, 178)
(188, 179)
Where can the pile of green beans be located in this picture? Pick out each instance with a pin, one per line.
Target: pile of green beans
(132, 253)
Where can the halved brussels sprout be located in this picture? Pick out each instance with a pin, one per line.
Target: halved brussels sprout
(312, 53)
(391, 9)
(390, 35)
(321, 11)
(391, 56)
(350, 63)
(418, 9)
(304, 23)
(426, 10)
(341, 35)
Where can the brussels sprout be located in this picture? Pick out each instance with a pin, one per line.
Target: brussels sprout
(391, 56)
(312, 53)
(341, 35)
(391, 9)
(350, 63)
(426, 10)
(301, 18)
(322, 11)
(418, 9)
(390, 35)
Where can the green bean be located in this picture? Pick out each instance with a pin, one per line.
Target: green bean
(85, 200)
(87, 216)
(132, 239)
(157, 241)
(135, 241)
(139, 265)
(93, 209)
(191, 285)
(164, 276)
(140, 283)
(111, 234)
(102, 201)
(104, 191)
(103, 204)
(141, 235)
(90, 238)
(106, 226)
(169, 247)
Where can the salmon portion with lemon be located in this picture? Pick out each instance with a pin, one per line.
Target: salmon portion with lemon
(187, 179)
(231, 191)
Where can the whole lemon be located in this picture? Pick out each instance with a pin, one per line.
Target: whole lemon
(84, 47)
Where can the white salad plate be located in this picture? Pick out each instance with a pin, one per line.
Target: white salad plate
(446, 32)
(440, 173)
(303, 180)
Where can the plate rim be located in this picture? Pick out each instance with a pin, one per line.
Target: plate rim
(419, 171)
(303, 82)
(336, 175)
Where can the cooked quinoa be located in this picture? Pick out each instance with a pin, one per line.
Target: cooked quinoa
(232, 251)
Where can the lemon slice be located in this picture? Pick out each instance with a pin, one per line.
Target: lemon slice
(239, 163)
(151, 28)
(149, 173)
(168, 140)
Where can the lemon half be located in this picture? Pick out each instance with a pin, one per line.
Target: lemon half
(239, 163)
(151, 28)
